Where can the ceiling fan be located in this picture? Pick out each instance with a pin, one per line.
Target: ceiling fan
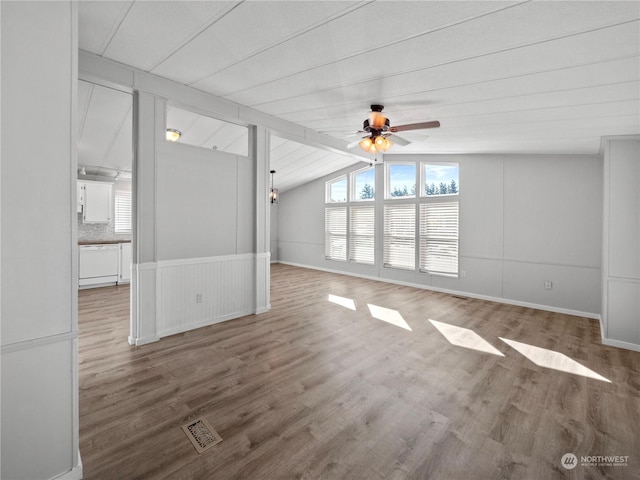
(380, 133)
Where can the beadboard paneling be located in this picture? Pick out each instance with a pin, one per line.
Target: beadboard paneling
(225, 286)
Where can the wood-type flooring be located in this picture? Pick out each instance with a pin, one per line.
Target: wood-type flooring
(348, 378)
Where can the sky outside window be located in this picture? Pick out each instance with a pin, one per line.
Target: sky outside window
(402, 180)
(441, 179)
(338, 191)
(364, 185)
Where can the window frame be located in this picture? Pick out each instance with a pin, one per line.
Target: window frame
(127, 196)
(422, 240)
(349, 205)
(352, 184)
(386, 237)
(422, 180)
(328, 199)
(387, 180)
(330, 235)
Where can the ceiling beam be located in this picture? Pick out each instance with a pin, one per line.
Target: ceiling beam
(102, 71)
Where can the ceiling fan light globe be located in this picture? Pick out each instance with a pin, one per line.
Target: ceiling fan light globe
(366, 144)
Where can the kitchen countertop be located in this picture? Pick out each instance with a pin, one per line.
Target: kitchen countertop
(101, 242)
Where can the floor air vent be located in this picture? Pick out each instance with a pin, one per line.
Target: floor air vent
(201, 434)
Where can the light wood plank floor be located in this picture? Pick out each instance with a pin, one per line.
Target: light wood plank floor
(313, 389)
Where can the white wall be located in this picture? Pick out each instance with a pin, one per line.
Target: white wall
(621, 243)
(39, 267)
(205, 202)
(196, 223)
(523, 220)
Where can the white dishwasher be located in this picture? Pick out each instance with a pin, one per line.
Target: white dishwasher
(97, 264)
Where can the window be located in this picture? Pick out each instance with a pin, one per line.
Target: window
(363, 182)
(362, 234)
(400, 236)
(440, 179)
(439, 238)
(122, 211)
(439, 218)
(337, 190)
(400, 180)
(350, 229)
(335, 233)
(436, 225)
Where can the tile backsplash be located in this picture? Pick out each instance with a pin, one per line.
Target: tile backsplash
(98, 231)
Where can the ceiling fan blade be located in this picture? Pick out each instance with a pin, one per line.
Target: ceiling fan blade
(399, 140)
(354, 143)
(415, 126)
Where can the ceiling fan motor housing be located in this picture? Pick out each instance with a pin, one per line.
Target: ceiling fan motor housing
(377, 122)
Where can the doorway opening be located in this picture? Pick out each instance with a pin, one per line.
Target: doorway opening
(105, 188)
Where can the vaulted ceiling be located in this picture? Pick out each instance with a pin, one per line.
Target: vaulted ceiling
(501, 77)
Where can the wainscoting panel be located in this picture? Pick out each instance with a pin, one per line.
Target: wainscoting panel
(193, 293)
(263, 282)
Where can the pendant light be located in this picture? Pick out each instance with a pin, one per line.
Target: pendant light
(273, 192)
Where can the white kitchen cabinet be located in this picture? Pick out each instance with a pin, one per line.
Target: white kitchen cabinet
(124, 266)
(80, 189)
(97, 202)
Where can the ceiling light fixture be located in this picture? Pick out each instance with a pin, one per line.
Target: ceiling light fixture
(375, 143)
(273, 192)
(173, 135)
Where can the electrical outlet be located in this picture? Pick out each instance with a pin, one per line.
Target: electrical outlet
(198, 298)
(548, 285)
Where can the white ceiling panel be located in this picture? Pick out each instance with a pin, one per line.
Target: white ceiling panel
(104, 127)
(158, 28)
(203, 131)
(599, 45)
(296, 163)
(120, 155)
(244, 32)
(410, 92)
(372, 27)
(100, 20)
(466, 102)
(502, 77)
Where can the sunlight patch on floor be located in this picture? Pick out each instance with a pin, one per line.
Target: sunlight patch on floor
(544, 357)
(343, 302)
(464, 337)
(388, 315)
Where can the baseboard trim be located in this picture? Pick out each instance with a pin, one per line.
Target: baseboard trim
(621, 344)
(206, 323)
(138, 341)
(74, 474)
(489, 298)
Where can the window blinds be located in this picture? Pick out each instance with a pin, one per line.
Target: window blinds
(122, 222)
(439, 238)
(361, 234)
(400, 236)
(335, 233)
